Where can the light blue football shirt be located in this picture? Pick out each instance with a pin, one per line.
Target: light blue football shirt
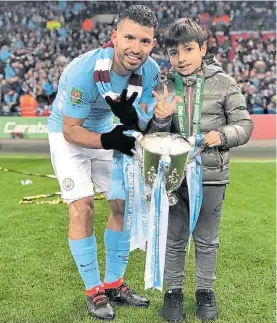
(78, 96)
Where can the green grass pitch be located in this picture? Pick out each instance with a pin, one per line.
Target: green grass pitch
(40, 284)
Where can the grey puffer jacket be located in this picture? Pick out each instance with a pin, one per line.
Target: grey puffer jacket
(224, 110)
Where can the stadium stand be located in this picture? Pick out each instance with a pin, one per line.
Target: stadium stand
(38, 41)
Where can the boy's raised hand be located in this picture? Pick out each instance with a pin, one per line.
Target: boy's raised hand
(163, 108)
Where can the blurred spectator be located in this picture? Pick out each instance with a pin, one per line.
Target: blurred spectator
(11, 101)
(37, 41)
(271, 108)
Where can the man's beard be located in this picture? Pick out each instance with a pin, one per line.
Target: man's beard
(127, 66)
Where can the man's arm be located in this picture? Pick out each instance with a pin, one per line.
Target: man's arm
(75, 105)
(239, 125)
(75, 134)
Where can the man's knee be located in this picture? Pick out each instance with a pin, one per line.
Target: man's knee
(81, 212)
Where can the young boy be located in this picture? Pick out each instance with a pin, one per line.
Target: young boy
(225, 122)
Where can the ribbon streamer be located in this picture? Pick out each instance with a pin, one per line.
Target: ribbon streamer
(157, 236)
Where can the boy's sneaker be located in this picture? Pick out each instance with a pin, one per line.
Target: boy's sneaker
(172, 309)
(206, 304)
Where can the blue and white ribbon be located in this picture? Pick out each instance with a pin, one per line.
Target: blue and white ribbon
(157, 236)
(139, 231)
(128, 171)
(128, 184)
(194, 175)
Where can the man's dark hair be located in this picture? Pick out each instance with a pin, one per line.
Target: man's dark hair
(142, 15)
(184, 31)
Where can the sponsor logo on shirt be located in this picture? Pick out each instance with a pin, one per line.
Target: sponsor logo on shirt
(76, 96)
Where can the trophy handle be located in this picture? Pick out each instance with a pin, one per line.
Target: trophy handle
(191, 157)
(134, 153)
(138, 136)
(197, 140)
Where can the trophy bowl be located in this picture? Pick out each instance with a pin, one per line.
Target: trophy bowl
(160, 145)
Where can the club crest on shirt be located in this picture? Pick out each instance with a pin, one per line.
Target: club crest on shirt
(157, 80)
(68, 184)
(76, 95)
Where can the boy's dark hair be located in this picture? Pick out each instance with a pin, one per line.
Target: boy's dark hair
(140, 14)
(183, 31)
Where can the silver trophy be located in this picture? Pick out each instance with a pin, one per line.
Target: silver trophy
(168, 146)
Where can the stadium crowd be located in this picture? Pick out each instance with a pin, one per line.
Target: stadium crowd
(38, 41)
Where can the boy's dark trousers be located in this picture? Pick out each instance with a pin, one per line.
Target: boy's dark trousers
(205, 237)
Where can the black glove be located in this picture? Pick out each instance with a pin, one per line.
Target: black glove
(124, 109)
(118, 141)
